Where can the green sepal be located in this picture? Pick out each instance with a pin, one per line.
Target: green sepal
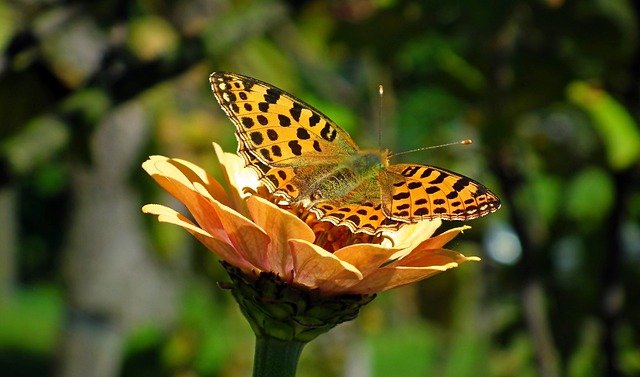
(283, 311)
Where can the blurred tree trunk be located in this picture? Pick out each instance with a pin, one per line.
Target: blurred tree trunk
(113, 281)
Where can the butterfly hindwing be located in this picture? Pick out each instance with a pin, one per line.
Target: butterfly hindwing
(412, 192)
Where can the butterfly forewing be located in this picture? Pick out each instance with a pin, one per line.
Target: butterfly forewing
(418, 192)
(279, 130)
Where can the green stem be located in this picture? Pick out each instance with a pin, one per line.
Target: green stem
(276, 358)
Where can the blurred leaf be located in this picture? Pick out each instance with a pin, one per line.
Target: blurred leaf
(514, 359)
(37, 142)
(9, 23)
(467, 357)
(581, 362)
(589, 196)
(73, 46)
(547, 193)
(91, 103)
(408, 350)
(151, 37)
(616, 126)
(33, 320)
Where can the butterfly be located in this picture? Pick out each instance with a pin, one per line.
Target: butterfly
(304, 158)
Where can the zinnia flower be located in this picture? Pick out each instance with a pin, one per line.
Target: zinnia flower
(255, 235)
(293, 276)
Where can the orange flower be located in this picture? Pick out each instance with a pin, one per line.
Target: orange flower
(254, 235)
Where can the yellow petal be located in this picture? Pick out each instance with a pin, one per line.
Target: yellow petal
(315, 267)
(281, 226)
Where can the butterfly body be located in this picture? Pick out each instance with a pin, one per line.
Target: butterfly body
(305, 159)
(337, 181)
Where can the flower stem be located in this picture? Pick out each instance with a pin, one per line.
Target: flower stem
(276, 358)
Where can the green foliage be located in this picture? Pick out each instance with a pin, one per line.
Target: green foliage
(32, 321)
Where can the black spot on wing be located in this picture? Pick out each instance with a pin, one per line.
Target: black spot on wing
(284, 120)
(256, 138)
(314, 119)
(272, 95)
(401, 195)
(302, 134)
(461, 184)
(247, 122)
(296, 111)
(295, 147)
(272, 134)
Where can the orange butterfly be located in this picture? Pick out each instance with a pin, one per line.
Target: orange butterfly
(304, 158)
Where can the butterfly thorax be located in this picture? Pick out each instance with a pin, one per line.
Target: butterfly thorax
(350, 178)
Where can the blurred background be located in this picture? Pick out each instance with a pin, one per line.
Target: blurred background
(549, 91)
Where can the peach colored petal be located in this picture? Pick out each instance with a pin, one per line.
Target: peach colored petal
(365, 257)
(317, 268)
(223, 250)
(437, 257)
(197, 175)
(389, 277)
(160, 167)
(432, 243)
(411, 234)
(281, 226)
(220, 221)
(395, 276)
(442, 239)
(247, 238)
(237, 176)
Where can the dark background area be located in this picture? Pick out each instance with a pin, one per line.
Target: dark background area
(549, 91)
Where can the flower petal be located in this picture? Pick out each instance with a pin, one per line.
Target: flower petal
(188, 171)
(281, 226)
(315, 267)
(433, 257)
(220, 248)
(237, 176)
(395, 276)
(366, 257)
(442, 239)
(222, 222)
(411, 234)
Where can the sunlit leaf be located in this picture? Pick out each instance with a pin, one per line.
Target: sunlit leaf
(617, 128)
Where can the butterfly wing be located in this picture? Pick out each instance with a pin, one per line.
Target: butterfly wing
(359, 210)
(276, 128)
(411, 193)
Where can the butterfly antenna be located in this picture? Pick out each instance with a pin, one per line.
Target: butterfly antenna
(380, 92)
(463, 142)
